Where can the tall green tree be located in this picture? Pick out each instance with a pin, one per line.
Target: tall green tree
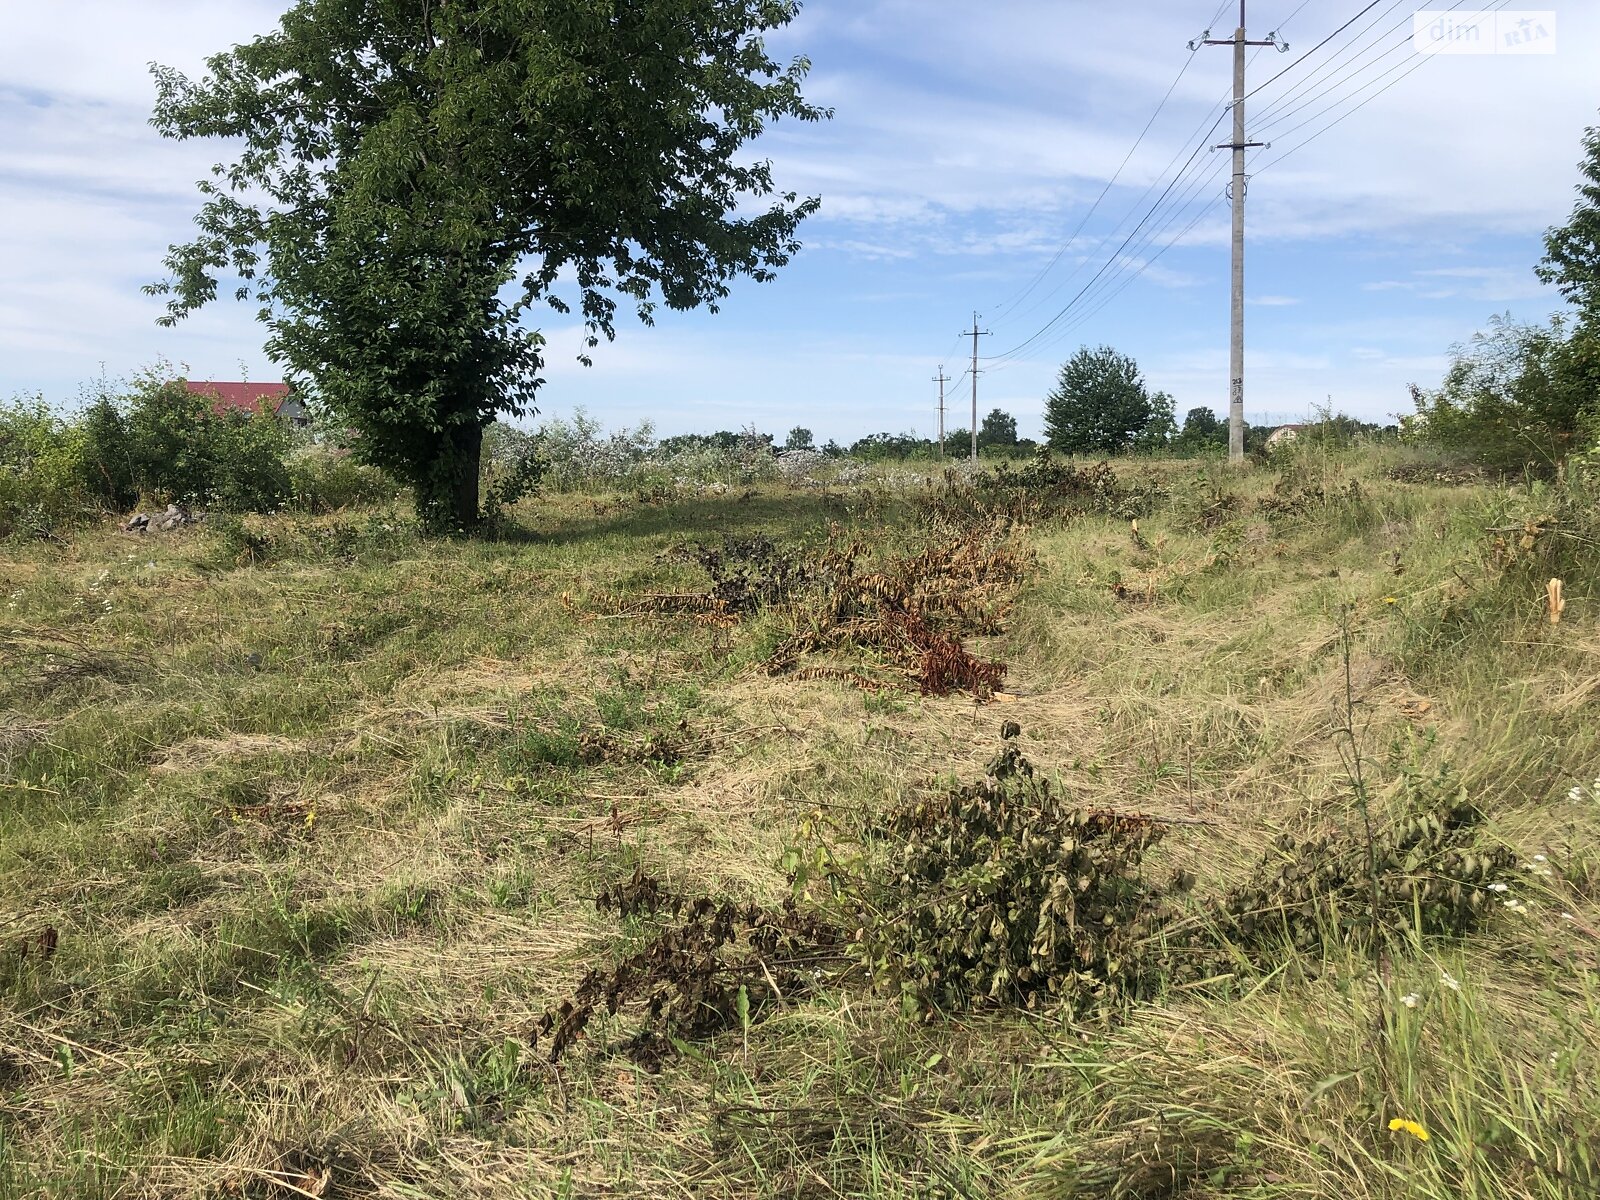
(415, 175)
(1098, 405)
(1161, 429)
(999, 428)
(1572, 251)
(1201, 428)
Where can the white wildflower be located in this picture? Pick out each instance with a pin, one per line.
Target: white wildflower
(1450, 981)
(1497, 887)
(1410, 999)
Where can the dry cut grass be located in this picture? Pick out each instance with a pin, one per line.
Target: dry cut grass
(296, 852)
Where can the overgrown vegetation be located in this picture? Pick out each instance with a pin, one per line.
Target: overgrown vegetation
(154, 440)
(301, 782)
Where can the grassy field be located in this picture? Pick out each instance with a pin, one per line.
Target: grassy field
(302, 824)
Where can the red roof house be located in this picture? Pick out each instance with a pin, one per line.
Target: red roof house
(276, 399)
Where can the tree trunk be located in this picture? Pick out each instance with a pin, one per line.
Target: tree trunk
(466, 462)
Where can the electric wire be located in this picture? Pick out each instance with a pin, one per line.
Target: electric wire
(1223, 103)
(1313, 49)
(1125, 267)
(1010, 305)
(1102, 289)
(1115, 284)
(1402, 74)
(1329, 69)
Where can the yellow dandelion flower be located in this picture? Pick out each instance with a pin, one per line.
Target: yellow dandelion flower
(1400, 1124)
(1390, 600)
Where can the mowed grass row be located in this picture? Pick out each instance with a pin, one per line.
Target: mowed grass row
(302, 824)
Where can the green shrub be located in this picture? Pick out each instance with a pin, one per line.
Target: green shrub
(322, 480)
(1518, 398)
(1005, 892)
(181, 450)
(108, 466)
(42, 475)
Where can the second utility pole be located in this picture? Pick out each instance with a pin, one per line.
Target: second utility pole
(976, 334)
(941, 379)
(1236, 194)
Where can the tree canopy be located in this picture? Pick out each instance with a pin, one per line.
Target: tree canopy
(999, 428)
(1098, 405)
(415, 175)
(1572, 251)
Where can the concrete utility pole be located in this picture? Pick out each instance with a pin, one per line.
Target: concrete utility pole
(1236, 191)
(941, 379)
(976, 334)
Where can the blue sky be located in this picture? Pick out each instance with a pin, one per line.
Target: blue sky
(969, 143)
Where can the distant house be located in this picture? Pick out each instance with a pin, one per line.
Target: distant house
(1282, 434)
(275, 399)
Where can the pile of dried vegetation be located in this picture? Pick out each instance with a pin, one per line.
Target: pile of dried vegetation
(1004, 893)
(872, 619)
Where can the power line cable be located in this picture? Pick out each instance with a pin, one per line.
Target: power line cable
(1313, 49)
(1131, 264)
(1110, 183)
(1085, 317)
(1128, 271)
(1100, 285)
(1223, 104)
(1110, 288)
(1125, 241)
(1283, 113)
(1117, 228)
(1329, 69)
(1421, 62)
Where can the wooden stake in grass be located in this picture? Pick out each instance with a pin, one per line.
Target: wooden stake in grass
(1554, 600)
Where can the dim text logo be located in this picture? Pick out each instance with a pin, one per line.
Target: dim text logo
(1438, 31)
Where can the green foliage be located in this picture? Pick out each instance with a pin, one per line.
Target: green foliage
(799, 439)
(1161, 430)
(241, 541)
(44, 484)
(1312, 482)
(1519, 397)
(1340, 431)
(999, 428)
(876, 447)
(109, 470)
(1526, 397)
(179, 449)
(160, 441)
(372, 215)
(1098, 405)
(323, 480)
(1048, 486)
(1202, 431)
(1004, 892)
(1572, 251)
(1549, 529)
(1424, 875)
